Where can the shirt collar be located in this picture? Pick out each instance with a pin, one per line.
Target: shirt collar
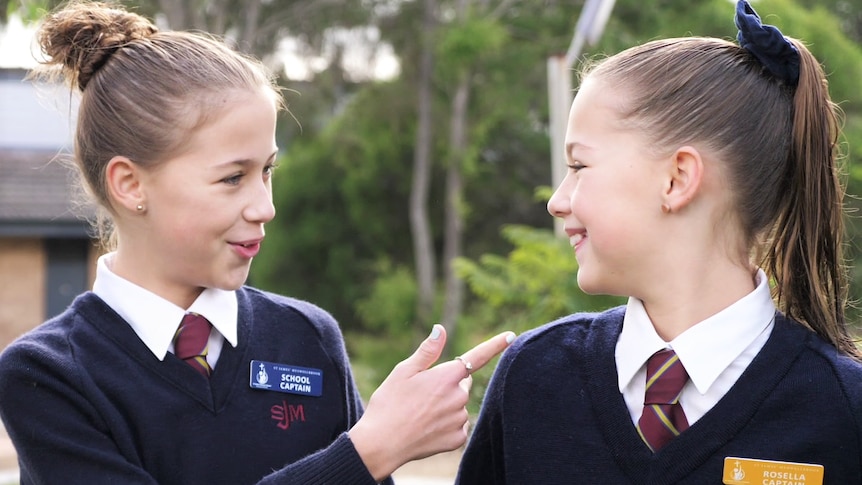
(707, 348)
(154, 319)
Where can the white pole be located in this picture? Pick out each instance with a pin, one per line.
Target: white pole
(559, 101)
(589, 28)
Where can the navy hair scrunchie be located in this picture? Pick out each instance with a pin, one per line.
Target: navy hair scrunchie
(767, 44)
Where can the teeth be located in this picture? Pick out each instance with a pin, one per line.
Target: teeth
(574, 240)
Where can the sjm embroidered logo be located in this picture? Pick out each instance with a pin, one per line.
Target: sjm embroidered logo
(284, 414)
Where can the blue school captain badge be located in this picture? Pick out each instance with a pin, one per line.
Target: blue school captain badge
(291, 379)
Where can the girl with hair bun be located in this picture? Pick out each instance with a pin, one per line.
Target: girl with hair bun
(702, 184)
(171, 371)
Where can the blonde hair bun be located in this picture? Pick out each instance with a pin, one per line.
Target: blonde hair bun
(80, 38)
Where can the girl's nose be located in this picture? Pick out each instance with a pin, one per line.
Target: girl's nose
(260, 208)
(558, 204)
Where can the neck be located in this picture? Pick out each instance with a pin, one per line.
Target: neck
(681, 304)
(144, 273)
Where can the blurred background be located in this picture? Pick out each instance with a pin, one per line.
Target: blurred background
(415, 161)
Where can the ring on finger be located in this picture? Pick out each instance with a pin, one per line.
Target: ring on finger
(468, 367)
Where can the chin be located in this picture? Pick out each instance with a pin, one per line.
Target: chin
(231, 287)
(592, 286)
(234, 282)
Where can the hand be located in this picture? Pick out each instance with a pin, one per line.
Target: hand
(420, 411)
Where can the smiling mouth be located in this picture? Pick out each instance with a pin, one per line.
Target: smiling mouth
(246, 250)
(247, 244)
(576, 239)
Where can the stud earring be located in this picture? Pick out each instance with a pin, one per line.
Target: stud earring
(665, 208)
(140, 207)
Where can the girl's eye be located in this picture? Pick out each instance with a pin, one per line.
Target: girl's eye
(269, 168)
(233, 179)
(576, 166)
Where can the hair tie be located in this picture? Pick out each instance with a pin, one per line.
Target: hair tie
(777, 54)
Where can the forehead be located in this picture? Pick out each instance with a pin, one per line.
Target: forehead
(237, 126)
(210, 107)
(597, 126)
(596, 109)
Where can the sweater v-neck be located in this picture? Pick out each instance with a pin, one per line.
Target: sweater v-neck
(213, 393)
(691, 449)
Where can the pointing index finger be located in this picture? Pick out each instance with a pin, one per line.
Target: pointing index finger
(481, 354)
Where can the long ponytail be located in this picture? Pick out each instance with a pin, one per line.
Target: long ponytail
(805, 253)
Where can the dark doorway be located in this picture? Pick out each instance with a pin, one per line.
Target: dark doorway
(67, 273)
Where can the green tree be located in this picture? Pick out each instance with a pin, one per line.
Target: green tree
(349, 186)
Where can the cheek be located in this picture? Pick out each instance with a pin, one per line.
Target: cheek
(610, 211)
(197, 210)
(591, 200)
(190, 229)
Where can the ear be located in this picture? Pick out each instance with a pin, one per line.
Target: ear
(686, 175)
(123, 180)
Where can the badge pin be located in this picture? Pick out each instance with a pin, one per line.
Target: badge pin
(291, 379)
(744, 471)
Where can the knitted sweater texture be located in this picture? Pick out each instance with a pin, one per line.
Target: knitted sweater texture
(85, 401)
(553, 413)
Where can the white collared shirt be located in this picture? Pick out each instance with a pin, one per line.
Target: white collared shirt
(156, 320)
(715, 351)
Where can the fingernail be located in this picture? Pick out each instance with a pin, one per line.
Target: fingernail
(510, 338)
(435, 332)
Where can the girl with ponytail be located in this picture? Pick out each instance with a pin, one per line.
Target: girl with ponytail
(702, 185)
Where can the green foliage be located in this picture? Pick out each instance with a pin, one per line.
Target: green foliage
(342, 191)
(466, 43)
(821, 32)
(536, 283)
(387, 312)
(28, 10)
(391, 301)
(338, 205)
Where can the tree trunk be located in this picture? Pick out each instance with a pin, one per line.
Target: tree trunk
(175, 14)
(423, 247)
(454, 204)
(250, 25)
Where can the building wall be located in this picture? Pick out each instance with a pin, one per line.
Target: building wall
(23, 276)
(22, 292)
(37, 122)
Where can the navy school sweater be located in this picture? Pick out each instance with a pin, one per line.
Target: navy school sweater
(553, 414)
(85, 401)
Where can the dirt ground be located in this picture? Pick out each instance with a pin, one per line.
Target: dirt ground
(8, 460)
(435, 470)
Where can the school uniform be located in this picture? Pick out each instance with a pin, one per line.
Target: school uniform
(93, 397)
(562, 405)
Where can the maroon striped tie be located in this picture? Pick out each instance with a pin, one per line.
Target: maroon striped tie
(663, 417)
(190, 342)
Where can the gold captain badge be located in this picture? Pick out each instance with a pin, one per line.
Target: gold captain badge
(748, 471)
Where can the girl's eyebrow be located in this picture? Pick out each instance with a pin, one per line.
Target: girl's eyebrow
(572, 146)
(247, 161)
